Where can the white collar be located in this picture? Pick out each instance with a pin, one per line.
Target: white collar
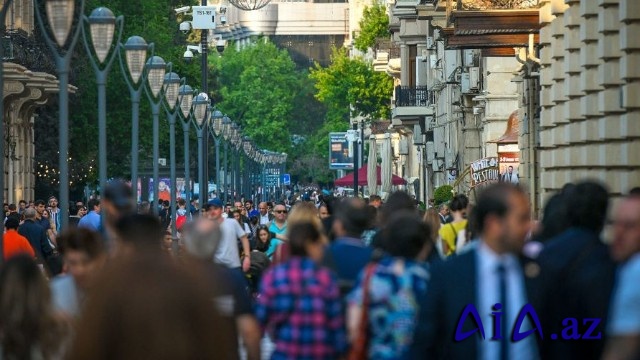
(489, 259)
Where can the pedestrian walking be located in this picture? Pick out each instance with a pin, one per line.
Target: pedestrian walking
(473, 282)
(299, 304)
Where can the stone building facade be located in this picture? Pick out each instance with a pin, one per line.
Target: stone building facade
(27, 85)
(590, 94)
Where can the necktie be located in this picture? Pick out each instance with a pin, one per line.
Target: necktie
(502, 286)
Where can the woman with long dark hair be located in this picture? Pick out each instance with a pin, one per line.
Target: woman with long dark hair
(29, 328)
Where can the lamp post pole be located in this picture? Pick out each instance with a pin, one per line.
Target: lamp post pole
(135, 50)
(3, 13)
(185, 94)
(58, 10)
(171, 88)
(98, 21)
(204, 47)
(226, 168)
(200, 109)
(156, 67)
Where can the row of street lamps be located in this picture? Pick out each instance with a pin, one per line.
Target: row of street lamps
(163, 89)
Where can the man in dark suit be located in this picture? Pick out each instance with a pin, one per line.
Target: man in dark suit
(458, 315)
(444, 213)
(36, 235)
(576, 277)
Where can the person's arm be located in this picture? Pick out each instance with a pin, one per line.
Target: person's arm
(246, 248)
(249, 331)
(246, 261)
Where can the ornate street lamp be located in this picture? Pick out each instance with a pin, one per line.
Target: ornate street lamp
(60, 15)
(171, 87)
(156, 68)
(200, 107)
(102, 24)
(216, 129)
(226, 129)
(185, 99)
(135, 50)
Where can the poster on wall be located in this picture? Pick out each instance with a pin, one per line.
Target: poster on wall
(340, 155)
(163, 189)
(509, 163)
(485, 171)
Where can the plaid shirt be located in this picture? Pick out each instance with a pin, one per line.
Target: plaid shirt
(300, 307)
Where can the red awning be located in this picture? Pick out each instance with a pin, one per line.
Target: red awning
(362, 178)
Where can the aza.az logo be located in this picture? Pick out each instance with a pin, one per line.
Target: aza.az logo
(570, 330)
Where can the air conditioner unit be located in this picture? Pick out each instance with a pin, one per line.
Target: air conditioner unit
(465, 86)
(431, 152)
(474, 78)
(418, 138)
(449, 158)
(403, 147)
(430, 42)
(469, 58)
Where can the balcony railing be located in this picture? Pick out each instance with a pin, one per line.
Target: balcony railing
(480, 5)
(388, 46)
(413, 96)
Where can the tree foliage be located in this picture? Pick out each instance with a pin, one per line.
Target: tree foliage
(258, 87)
(373, 25)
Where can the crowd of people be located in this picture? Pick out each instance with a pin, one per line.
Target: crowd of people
(327, 278)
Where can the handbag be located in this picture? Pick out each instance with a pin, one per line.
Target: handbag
(360, 347)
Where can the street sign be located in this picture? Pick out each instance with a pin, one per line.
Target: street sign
(286, 179)
(204, 17)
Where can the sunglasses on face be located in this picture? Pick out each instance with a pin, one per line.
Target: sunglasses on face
(281, 211)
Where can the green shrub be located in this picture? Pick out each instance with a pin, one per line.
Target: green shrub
(443, 194)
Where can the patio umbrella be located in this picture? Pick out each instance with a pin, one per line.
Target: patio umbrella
(372, 176)
(385, 174)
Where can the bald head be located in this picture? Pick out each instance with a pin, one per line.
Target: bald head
(626, 229)
(263, 208)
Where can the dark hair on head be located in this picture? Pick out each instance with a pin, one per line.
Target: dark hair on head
(182, 202)
(588, 202)
(459, 203)
(39, 202)
(83, 240)
(22, 202)
(263, 246)
(93, 203)
(12, 223)
(375, 198)
(372, 214)
(353, 216)
(26, 312)
(301, 234)
(141, 303)
(249, 201)
(143, 231)
(396, 202)
(493, 200)
(12, 207)
(405, 235)
(554, 218)
(635, 191)
(236, 211)
(329, 202)
(166, 203)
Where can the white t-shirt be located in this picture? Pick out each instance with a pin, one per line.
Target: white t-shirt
(227, 252)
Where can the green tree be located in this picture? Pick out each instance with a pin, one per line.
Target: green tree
(373, 25)
(261, 90)
(350, 87)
